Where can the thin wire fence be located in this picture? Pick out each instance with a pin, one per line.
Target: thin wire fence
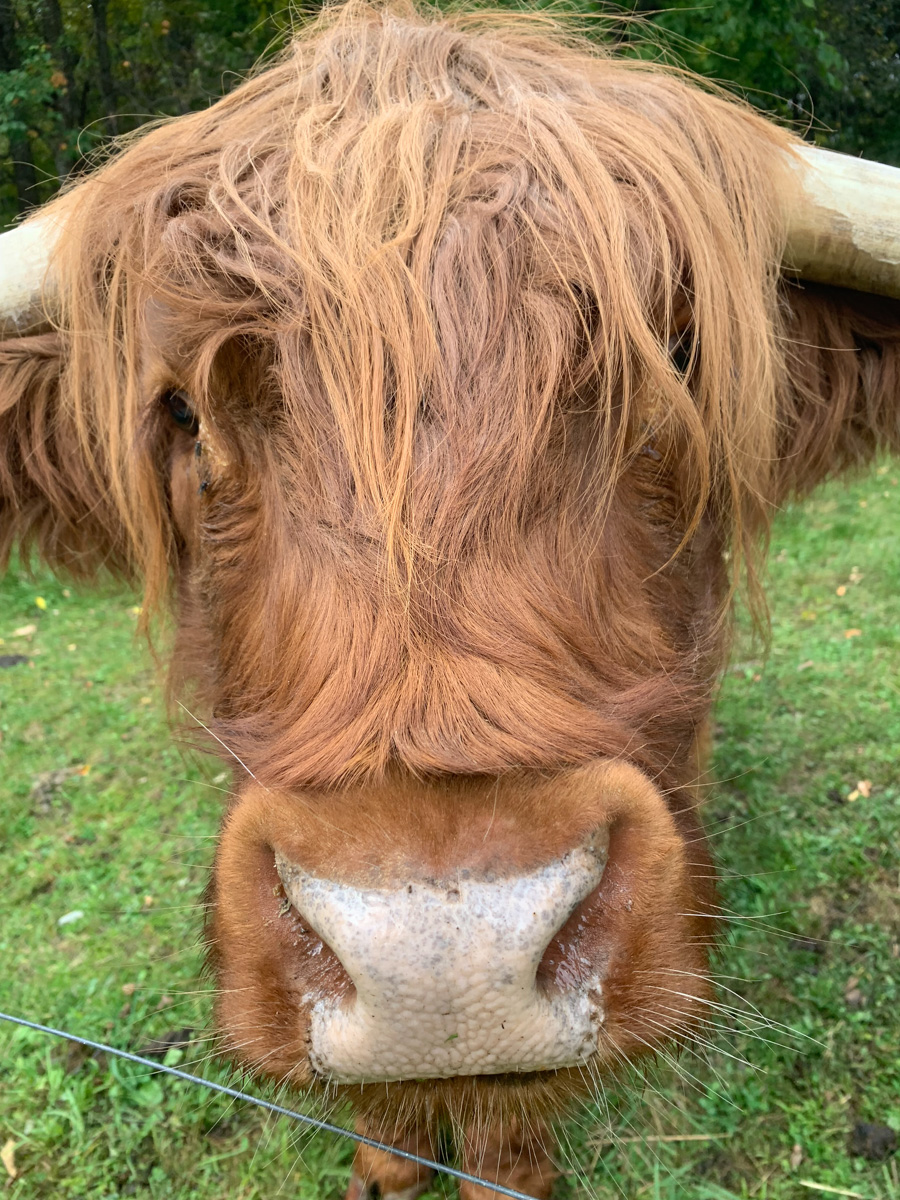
(278, 1109)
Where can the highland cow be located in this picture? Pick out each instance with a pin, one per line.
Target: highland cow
(444, 377)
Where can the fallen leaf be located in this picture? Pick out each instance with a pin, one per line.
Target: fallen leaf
(841, 591)
(71, 646)
(136, 610)
(854, 795)
(146, 699)
(148, 902)
(863, 504)
(855, 575)
(804, 666)
(41, 603)
(8, 1158)
(852, 633)
(70, 917)
(24, 631)
(796, 1156)
(808, 614)
(864, 787)
(853, 997)
(128, 989)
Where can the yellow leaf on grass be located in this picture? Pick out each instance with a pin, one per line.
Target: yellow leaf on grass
(8, 1158)
(864, 787)
(24, 631)
(841, 591)
(40, 602)
(852, 633)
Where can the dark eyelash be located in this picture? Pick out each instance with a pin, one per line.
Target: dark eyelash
(181, 411)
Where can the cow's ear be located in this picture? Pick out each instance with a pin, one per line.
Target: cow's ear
(841, 400)
(53, 500)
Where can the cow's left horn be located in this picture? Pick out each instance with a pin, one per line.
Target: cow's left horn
(843, 223)
(27, 288)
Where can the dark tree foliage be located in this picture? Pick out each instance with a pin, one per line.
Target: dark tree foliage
(73, 74)
(864, 110)
(830, 67)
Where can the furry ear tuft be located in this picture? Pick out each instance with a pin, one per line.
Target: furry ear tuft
(52, 502)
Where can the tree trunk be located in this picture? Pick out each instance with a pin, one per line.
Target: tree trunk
(24, 174)
(104, 65)
(65, 54)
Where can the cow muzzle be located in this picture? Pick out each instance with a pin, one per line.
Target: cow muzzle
(462, 928)
(444, 973)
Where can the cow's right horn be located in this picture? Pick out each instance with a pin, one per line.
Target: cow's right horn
(27, 289)
(843, 223)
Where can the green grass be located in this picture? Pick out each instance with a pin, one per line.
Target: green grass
(128, 843)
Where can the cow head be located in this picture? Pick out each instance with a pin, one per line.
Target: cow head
(445, 372)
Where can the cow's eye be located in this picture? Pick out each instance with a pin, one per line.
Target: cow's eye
(181, 412)
(681, 347)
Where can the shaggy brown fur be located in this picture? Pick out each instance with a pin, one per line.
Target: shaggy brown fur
(420, 280)
(492, 364)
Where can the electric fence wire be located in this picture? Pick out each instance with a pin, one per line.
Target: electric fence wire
(278, 1109)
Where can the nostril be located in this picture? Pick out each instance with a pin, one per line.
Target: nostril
(309, 959)
(570, 961)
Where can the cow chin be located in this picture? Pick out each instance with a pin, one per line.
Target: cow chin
(404, 938)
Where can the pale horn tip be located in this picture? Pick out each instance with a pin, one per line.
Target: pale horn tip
(843, 222)
(27, 290)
